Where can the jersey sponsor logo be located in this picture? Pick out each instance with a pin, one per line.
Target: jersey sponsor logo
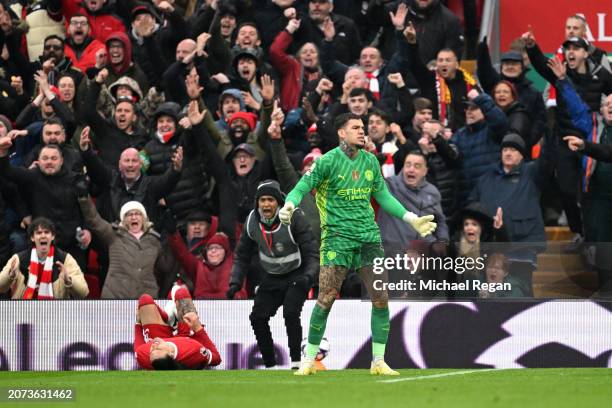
(357, 193)
(369, 175)
(355, 175)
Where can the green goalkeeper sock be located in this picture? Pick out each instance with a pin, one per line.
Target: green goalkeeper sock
(380, 331)
(318, 320)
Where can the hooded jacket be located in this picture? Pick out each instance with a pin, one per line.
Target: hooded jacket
(210, 282)
(127, 68)
(108, 138)
(103, 23)
(222, 122)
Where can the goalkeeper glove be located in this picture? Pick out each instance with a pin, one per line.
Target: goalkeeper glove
(286, 212)
(423, 225)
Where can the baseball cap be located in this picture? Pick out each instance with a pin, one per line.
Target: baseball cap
(576, 41)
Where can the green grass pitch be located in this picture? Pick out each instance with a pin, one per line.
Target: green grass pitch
(583, 387)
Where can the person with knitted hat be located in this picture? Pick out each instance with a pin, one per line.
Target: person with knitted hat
(230, 102)
(515, 186)
(133, 248)
(243, 128)
(289, 256)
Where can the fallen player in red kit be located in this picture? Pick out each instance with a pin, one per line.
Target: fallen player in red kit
(157, 348)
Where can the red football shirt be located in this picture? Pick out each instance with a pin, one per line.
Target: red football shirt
(194, 352)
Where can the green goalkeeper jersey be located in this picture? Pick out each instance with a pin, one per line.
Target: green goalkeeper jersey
(343, 190)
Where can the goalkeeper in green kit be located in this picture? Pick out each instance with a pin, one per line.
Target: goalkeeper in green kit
(344, 179)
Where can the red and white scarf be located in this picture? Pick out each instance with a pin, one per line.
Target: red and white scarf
(373, 85)
(40, 275)
(551, 101)
(444, 96)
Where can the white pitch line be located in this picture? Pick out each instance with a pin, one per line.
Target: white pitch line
(425, 377)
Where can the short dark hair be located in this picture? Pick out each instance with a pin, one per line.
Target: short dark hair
(250, 24)
(40, 222)
(79, 14)
(67, 74)
(416, 152)
(53, 120)
(53, 146)
(342, 119)
(361, 91)
(381, 114)
(166, 363)
(54, 37)
(422, 103)
(447, 50)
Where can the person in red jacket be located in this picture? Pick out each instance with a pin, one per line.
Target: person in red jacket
(100, 15)
(157, 348)
(80, 47)
(295, 72)
(211, 272)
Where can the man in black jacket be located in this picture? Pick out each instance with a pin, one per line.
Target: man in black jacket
(114, 136)
(128, 183)
(346, 41)
(289, 255)
(49, 189)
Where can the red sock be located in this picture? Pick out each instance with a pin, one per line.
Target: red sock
(182, 293)
(148, 300)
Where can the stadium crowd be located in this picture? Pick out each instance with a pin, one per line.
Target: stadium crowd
(149, 144)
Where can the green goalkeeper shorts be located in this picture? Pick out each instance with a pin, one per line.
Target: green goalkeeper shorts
(351, 254)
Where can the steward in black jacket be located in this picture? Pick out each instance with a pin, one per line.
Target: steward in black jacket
(290, 256)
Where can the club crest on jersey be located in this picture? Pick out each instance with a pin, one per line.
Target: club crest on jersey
(369, 175)
(279, 246)
(355, 175)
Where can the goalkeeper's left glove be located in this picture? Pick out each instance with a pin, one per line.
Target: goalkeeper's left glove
(423, 225)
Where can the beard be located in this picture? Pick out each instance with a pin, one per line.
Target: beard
(238, 134)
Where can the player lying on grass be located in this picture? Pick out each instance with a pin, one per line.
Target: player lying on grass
(157, 348)
(345, 179)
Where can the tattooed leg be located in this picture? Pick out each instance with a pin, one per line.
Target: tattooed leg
(380, 298)
(330, 282)
(184, 306)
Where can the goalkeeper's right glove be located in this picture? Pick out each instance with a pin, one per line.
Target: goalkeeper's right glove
(423, 225)
(286, 212)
